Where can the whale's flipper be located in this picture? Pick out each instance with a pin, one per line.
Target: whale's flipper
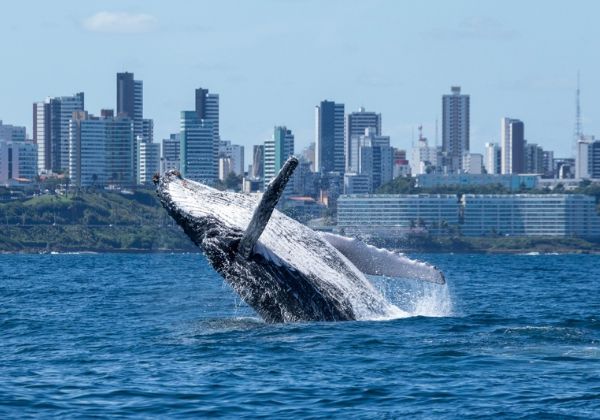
(263, 212)
(381, 262)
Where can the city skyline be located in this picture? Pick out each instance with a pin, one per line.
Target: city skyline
(415, 63)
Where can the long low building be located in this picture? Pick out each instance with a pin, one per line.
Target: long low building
(530, 215)
(396, 214)
(472, 215)
(512, 182)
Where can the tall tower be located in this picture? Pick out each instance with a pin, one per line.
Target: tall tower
(51, 130)
(199, 149)
(356, 123)
(455, 127)
(207, 107)
(329, 137)
(578, 134)
(512, 135)
(276, 151)
(130, 103)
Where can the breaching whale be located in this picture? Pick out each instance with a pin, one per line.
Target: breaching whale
(282, 269)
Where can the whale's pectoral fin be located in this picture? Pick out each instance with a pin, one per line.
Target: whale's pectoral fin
(265, 208)
(381, 262)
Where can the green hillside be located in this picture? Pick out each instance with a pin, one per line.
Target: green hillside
(90, 221)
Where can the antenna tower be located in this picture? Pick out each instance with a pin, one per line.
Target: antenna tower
(578, 134)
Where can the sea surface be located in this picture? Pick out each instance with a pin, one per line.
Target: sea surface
(511, 336)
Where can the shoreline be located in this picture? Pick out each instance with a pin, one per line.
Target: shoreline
(514, 251)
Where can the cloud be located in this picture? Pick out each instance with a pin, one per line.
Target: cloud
(120, 22)
(475, 28)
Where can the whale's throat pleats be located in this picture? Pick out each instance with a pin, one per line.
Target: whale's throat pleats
(265, 208)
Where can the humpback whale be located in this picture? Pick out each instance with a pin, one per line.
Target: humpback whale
(281, 268)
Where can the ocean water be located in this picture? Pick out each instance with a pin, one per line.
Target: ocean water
(513, 336)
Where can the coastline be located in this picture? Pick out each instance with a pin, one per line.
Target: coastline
(171, 240)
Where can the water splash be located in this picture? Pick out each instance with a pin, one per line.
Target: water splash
(415, 298)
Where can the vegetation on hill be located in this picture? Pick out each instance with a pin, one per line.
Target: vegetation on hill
(90, 221)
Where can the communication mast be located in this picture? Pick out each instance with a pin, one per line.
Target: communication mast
(578, 134)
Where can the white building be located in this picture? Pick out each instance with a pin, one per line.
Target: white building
(493, 159)
(455, 128)
(276, 152)
(18, 160)
(224, 167)
(119, 150)
(587, 162)
(148, 162)
(390, 215)
(513, 146)
(424, 158)
(87, 150)
(357, 183)
(51, 124)
(355, 126)
(473, 163)
(235, 153)
(171, 149)
(11, 133)
(530, 215)
(199, 148)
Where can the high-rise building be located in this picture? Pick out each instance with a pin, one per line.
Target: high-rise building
(424, 159)
(130, 102)
(12, 133)
(548, 166)
(588, 158)
(199, 152)
(18, 160)
(87, 150)
(473, 163)
(356, 123)
(512, 135)
(171, 153)
(493, 159)
(207, 107)
(534, 159)
(455, 128)
(374, 158)
(329, 138)
(258, 158)
(148, 162)
(147, 131)
(51, 130)
(224, 167)
(119, 150)
(235, 153)
(401, 165)
(277, 150)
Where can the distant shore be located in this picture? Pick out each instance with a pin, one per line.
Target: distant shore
(111, 222)
(170, 239)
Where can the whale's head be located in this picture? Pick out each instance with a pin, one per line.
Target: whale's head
(199, 209)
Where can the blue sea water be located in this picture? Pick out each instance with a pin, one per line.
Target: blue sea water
(514, 336)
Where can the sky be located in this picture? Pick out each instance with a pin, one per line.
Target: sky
(273, 61)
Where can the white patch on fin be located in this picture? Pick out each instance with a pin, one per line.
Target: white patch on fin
(382, 262)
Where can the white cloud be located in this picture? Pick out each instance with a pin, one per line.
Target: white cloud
(120, 22)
